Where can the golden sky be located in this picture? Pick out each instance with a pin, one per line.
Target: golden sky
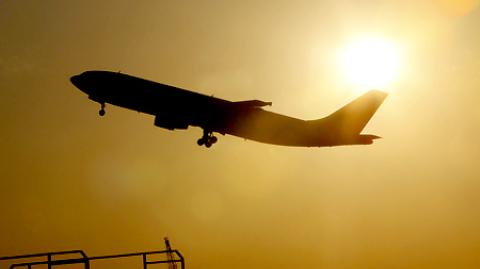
(72, 180)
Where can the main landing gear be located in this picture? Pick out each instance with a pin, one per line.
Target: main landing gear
(101, 112)
(208, 139)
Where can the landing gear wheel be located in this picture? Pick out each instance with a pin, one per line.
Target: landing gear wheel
(208, 139)
(101, 112)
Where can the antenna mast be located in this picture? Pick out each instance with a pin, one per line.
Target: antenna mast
(171, 258)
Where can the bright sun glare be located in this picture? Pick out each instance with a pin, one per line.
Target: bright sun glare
(370, 62)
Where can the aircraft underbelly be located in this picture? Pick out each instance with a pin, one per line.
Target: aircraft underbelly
(272, 128)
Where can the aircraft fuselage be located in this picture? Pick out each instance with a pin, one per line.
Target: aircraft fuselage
(176, 108)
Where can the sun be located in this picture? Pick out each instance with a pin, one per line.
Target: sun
(370, 62)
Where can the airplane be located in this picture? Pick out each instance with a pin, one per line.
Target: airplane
(176, 108)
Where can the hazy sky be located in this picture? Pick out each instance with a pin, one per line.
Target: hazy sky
(72, 180)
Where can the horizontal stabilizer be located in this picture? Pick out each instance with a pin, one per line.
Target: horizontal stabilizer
(251, 103)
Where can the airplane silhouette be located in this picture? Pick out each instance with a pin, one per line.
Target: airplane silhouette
(176, 108)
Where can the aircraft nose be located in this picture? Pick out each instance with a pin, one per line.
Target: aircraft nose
(75, 81)
(80, 83)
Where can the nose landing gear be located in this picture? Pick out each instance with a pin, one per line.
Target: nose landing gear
(208, 139)
(101, 112)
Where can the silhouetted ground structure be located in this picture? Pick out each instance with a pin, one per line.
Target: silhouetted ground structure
(77, 257)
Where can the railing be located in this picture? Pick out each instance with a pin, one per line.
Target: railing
(55, 259)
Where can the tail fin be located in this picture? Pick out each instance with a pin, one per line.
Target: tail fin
(344, 125)
(352, 118)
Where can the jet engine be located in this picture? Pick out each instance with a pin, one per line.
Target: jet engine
(171, 121)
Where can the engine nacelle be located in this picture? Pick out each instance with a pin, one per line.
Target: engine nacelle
(170, 121)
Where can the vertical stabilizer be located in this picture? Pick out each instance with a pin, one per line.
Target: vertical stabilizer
(352, 118)
(344, 125)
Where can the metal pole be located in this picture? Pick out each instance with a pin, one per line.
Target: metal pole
(144, 256)
(49, 260)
